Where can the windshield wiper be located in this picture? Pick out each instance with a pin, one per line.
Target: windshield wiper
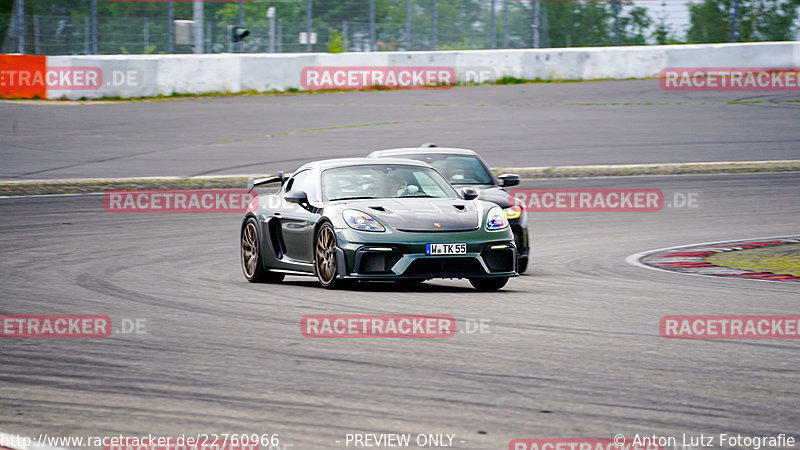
(353, 198)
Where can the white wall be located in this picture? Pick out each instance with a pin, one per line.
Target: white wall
(149, 75)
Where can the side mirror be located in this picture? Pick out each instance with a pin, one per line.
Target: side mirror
(469, 193)
(298, 197)
(508, 180)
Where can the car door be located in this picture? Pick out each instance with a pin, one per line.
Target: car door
(297, 222)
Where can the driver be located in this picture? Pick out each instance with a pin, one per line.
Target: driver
(397, 186)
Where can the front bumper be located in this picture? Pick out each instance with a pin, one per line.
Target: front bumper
(400, 255)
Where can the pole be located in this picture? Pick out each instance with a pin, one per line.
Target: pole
(94, 27)
(37, 44)
(505, 23)
(20, 22)
(272, 32)
(308, 25)
(615, 8)
(492, 35)
(170, 29)
(146, 33)
(735, 22)
(434, 25)
(240, 23)
(372, 25)
(198, 27)
(408, 25)
(87, 35)
(535, 25)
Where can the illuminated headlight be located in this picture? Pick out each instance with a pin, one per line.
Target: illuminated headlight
(496, 219)
(513, 212)
(358, 220)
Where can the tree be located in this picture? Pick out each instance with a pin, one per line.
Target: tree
(759, 20)
(579, 24)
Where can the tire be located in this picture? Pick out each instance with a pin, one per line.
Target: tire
(488, 284)
(252, 262)
(522, 265)
(325, 264)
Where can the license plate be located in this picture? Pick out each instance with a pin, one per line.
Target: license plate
(446, 249)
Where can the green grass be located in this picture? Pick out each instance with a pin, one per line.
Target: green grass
(780, 259)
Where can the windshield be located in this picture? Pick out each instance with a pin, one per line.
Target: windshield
(457, 169)
(384, 181)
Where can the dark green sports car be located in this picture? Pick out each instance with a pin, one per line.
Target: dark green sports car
(343, 220)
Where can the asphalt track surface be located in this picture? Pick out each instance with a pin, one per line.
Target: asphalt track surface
(572, 350)
(613, 122)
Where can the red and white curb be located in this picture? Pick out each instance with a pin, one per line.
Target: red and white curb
(693, 259)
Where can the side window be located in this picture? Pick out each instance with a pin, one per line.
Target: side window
(304, 181)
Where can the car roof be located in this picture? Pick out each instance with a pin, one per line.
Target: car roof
(345, 162)
(421, 151)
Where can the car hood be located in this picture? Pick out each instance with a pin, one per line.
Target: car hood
(422, 214)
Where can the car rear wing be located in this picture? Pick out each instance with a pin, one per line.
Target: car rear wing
(253, 182)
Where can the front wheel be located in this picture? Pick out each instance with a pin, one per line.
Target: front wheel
(251, 256)
(488, 284)
(325, 258)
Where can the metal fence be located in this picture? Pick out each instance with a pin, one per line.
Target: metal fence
(419, 25)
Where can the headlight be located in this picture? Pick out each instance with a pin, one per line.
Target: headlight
(358, 220)
(513, 212)
(496, 219)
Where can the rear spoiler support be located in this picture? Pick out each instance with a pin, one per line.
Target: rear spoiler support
(253, 182)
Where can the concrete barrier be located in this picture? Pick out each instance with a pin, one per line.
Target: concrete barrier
(131, 76)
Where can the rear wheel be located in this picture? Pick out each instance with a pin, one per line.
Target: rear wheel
(251, 256)
(488, 284)
(325, 258)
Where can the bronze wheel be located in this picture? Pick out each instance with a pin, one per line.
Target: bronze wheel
(249, 250)
(251, 256)
(325, 258)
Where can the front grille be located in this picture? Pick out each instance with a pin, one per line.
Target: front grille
(376, 262)
(500, 260)
(445, 267)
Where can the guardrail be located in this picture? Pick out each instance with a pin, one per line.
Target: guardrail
(131, 76)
